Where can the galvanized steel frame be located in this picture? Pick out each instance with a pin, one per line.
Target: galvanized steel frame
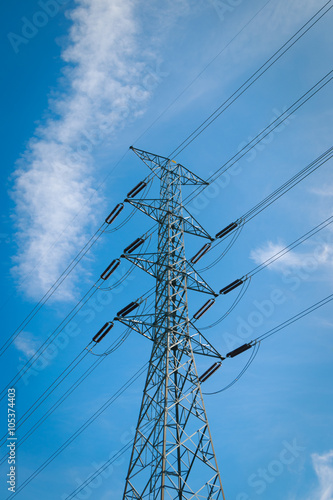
(172, 455)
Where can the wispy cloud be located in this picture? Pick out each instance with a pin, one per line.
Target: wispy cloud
(108, 59)
(322, 254)
(54, 180)
(27, 344)
(324, 191)
(323, 465)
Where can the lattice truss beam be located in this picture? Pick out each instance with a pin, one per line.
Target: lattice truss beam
(173, 455)
(152, 263)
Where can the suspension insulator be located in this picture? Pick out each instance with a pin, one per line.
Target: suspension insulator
(226, 230)
(201, 253)
(110, 269)
(115, 212)
(231, 287)
(208, 373)
(239, 350)
(133, 246)
(139, 187)
(204, 309)
(126, 310)
(102, 332)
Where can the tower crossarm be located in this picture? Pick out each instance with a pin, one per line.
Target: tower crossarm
(152, 263)
(146, 327)
(201, 345)
(154, 209)
(158, 163)
(139, 326)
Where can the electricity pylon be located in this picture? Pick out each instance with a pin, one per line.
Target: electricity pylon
(173, 455)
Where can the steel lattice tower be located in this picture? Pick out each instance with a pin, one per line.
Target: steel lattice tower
(173, 455)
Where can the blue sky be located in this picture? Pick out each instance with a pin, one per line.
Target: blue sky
(85, 80)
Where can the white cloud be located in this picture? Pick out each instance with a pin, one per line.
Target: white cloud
(26, 344)
(324, 191)
(109, 62)
(323, 466)
(105, 73)
(322, 253)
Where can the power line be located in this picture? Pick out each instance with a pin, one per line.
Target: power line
(313, 165)
(101, 469)
(59, 401)
(30, 411)
(88, 295)
(256, 140)
(291, 246)
(111, 400)
(79, 305)
(291, 320)
(53, 336)
(256, 342)
(203, 70)
(257, 271)
(62, 277)
(265, 203)
(41, 303)
(242, 372)
(52, 289)
(264, 133)
(151, 125)
(296, 179)
(253, 78)
(245, 280)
